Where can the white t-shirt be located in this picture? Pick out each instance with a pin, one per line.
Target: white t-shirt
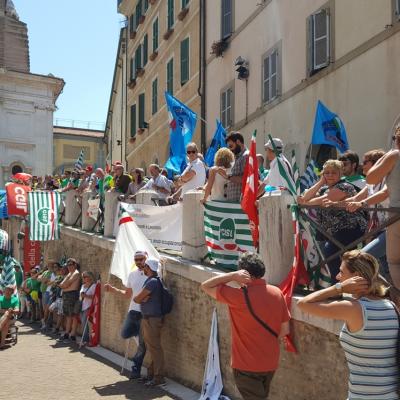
(198, 180)
(52, 278)
(136, 280)
(86, 303)
(161, 181)
(274, 177)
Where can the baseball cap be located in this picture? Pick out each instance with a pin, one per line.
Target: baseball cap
(89, 168)
(277, 142)
(140, 253)
(152, 264)
(117, 164)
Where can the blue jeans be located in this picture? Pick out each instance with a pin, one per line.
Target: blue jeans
(377, 248)
(130, 328)
(85, 326)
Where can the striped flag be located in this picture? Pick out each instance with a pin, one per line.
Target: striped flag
(79, 162)
(44, 215)
(310, 177)
(8, 273)
(296, 172)
(3, 241)
(3, 204)
(227, 232)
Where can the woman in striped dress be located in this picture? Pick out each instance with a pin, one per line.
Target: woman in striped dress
(369, 336)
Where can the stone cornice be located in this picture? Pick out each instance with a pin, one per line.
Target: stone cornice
(16, 145)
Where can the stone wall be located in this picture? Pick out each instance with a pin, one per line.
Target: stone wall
(317, 371)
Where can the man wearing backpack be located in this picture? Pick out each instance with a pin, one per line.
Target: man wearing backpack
(151, 304)
(259, 318)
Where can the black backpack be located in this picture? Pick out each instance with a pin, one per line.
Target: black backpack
(167, 300)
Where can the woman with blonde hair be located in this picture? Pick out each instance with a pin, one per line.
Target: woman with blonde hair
(370, 334)
(343, 226)
(216, 184)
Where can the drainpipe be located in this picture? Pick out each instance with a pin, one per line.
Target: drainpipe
(126, 95)
(201, 90)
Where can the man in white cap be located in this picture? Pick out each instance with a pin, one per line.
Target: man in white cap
(274, 177)
(132, 324)
(150, 300)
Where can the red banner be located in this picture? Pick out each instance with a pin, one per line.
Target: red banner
(31, 252)
(94, 317)
(17, 199)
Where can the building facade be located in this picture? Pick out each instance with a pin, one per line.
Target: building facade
(159, 51)
(27, 103)
(68, 143)
(341, 52)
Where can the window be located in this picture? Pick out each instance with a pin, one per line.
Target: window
(154, 96)
(184, 61)
(145, 49)
(141, 110)
(271, 75)
(226, 18)
(184, 3)
(226, 107)
(155, 35)
(133, 69)
(138, 57)
(319, 40)
(146, 6)
(170, 76)
(138, 12)
(170, 14)
(132, 24)
(133, 120)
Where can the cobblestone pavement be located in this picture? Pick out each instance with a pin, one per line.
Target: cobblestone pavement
(40, 368)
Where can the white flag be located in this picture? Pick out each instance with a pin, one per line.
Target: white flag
(129, 240)
(212, 382)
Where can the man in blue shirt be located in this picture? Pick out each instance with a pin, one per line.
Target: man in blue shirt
(150, 303)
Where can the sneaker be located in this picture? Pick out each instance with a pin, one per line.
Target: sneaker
(134, 375)
(155, 382)
(63, 337)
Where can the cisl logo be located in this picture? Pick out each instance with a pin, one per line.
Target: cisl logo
(45, 215)
(227, 234)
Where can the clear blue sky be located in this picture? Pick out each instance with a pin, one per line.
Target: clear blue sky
(75, 40)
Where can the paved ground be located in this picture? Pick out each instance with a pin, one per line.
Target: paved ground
(39, 368)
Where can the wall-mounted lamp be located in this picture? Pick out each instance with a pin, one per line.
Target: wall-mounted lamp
(242, 68)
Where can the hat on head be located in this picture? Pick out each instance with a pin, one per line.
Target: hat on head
(152, 264)
(277, 142)
(117, 164)
(140, 253)
(71, 260)
(89, 168)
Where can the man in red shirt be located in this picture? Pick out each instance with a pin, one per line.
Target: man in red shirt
(255, 343)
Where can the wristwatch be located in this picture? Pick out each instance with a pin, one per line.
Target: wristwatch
(338, 287)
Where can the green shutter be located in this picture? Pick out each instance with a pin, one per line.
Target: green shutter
(185, 3)
(138, 11)
(146, 5)
(145, 49)
(170, 14)
(155, 35)
(141, 110)
(133, 120)
(133, 69)
(138, 57)
(184, 61)
(154, 99)
(170, 76)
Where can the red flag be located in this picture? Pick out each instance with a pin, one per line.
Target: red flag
(32, 253)
(250, 189)
(94, 317)
(17, 199)
(108, 169)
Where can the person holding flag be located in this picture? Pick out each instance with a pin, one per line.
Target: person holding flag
(132, 324)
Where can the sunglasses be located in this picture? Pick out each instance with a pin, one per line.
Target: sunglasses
(191, 152)
(139, 259)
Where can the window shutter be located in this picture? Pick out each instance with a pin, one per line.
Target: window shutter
(131, 23)
(170, 14)
(229, 107)
(266, 83)
(170, 76)
(184, 61)
(155, 35)
(133, 69)
(138, 57)
(146, 5)
(226, 18)
(273, 63)
(320, 39)
(185, 3)
(133, 120)
(138, 11)
(141, 110)
(145, 49)
(154, 99)
(223, 107)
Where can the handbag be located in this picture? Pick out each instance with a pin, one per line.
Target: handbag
(259, 320)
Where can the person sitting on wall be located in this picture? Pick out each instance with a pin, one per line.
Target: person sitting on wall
(9, 309)
(158, 182)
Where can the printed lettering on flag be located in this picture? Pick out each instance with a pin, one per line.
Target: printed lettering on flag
(32, 253)
(44, 215)
(17, 199)
(227, 232)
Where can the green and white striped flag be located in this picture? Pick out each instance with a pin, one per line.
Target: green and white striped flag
(7, 276)
(296, 172)
(44, 215)
(227, 232)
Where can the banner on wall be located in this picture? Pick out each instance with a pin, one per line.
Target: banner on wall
(31, 252)
(161, 225)
(17, 199)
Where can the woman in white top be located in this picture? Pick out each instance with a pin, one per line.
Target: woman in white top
(86, 296)
(216, 184)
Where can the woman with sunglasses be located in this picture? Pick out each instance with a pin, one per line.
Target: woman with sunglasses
(370, 333)
(389, 167)
(343, 226)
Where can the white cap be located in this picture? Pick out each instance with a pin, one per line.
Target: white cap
(153, 264)
(277, 142)
(141, 253)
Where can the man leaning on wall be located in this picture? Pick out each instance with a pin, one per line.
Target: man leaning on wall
(259, 318)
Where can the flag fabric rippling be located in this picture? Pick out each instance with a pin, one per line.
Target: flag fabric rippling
(310, 177)
(44, 215)
(4, 240)
(94, 317)
(217, 142)
(3, 204)
(296, 172)
(79, 162)
(227, 232)
(7, 276)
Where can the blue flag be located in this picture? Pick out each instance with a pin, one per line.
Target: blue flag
(3, 204)
(217, 142)
(182, 123)
(329, 129)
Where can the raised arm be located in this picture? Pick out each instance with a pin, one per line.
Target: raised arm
(383, 167)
